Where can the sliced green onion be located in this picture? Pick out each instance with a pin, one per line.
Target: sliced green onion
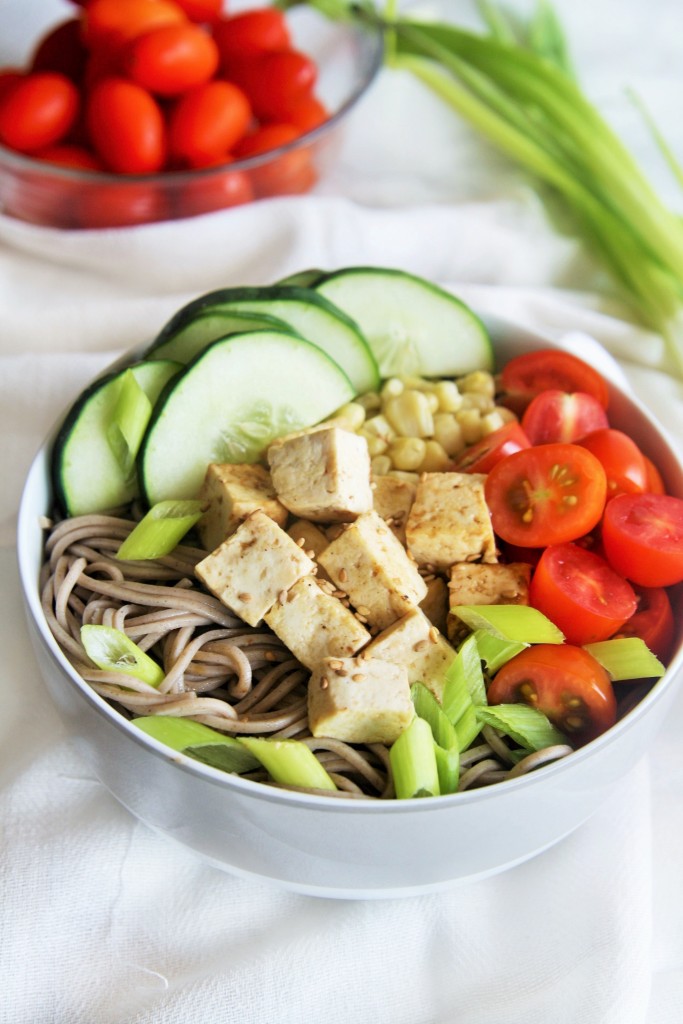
(289, 762)
(468, 727)
(446, 745)
(525, 725)
(198, 741)
(494, 651)
(447, 768)
(161, 530)
(413, 762)
(463, 688)
(627, 657)
(129, 421)
(519, 623)
(113, 651)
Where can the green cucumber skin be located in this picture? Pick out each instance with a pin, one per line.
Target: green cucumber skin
(326, 287)
(151, 448)
(210, 325)
(162, 373)
(303, 278)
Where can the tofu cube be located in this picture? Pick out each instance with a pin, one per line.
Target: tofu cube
(449, 521)
(392, 500)
(359, 700)
(232, 492)
(323, 475)
(435, 604)
(416, 644)
(310, 538)
(370, 564)
(253, 566)
(474, 583)
(314, 625)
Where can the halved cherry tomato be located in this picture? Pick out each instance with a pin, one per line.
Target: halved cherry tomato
(548, 494)
(566, 683)
(126, 127)
(621, 459)
(217, 192)
(655, 483)
(557, 416)
(110, 23)
(482, 456)
(652, 621)
(38, 111)
(643, 538)
(62, 49)
(527, 375)
(207, 122)
(201, 10)
(249, 32)
(581, 593)
(274, 81)
(171, 59)
(291, 173)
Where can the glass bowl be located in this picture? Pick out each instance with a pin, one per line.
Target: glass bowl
(348, 59)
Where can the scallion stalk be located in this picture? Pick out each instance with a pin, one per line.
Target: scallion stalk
(112, 650)
(446, 743)
(289, 762)
(199, 742)
(413, 762)
(515, 623)
(626, 657)
(160, 531)
(525, 725)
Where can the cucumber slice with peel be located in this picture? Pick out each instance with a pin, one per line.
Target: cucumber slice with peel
(189, 339)
(231, 402)
(86, 474)
(413, 327)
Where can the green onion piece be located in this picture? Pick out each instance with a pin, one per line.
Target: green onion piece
(627, 657)
(525, 725)
(413, 762)
(160, 531)
(289, 762)
(129, 421)
(468, 727)
(447, 768)
(446, 745)
(470, 660)
(519, 623)
(494, 651)
(198, 741)
(463, 688)
(113, 651)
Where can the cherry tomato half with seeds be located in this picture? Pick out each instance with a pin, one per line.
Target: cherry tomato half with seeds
(566, 683)
(643, 538)
(482, 456)
(38, 111)
(581, 594)
(527, 375)
(548, 494)
(652, 621)
(126, 127)
(559, 416)
(171, 59)
(250, 32)
(207, 122)
(621, 459)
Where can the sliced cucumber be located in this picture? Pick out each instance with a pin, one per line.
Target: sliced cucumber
(411, 325)
(87, 476)
(231, 402)
(303, 278)
(305, 311)
(186, 341)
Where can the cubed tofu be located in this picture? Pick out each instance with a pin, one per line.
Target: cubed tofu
(415, 643)
(315, 625)
(232, 492)
(370, 564)
(392, 500)
(359, 700)
(474, 583)
(449, 521)
(323, 475)
(253, 567)
(435, 604)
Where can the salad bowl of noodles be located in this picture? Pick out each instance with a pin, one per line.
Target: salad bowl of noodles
(351, 839)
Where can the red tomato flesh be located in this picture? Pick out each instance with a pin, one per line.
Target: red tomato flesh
(566, 683)
(482, 456)
(545, 495)
(556, 416)
(549, 369)
(581, 593)
(653, 621)
(643, 538)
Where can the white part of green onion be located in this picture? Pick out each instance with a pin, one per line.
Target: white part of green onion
(626, 657)
(160, 531)
(289, 762)
(113, 651)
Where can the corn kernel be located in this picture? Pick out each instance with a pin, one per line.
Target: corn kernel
(470, 423)
(477, 400)
(392, 388)
(410, 415)
(407, 453)
(436, 460)
(478, 381)
(490, 422)
(432, 401)
(376, 445)
(380, 465)
(408, 478)
(448, 395)
(351, 415)
(448, 432)
(370, 401)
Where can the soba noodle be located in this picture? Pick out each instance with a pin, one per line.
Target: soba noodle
(219, 671)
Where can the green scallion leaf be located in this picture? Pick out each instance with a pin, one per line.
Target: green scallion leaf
(446, 744)
(518, 623)
(289, 762)
(413, 762)
(494, 651)
(626, 657)
(160, 531)
(525, 725)
(198, 741)
(113, 651)
(129, 421)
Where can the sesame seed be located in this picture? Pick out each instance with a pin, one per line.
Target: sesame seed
(361, 618)
(310, 553)
(336, 664)
(358, 677)
(301, 541)
(362, 610)
(244, 597)
(282, 596)
(433, 634)
(343, 575)
(421, 645)
(291, 596)
(324, 683)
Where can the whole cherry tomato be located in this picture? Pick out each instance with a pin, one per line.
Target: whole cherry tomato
(482, 456)
(643, 538)
(119, 204)
(62, 49)
(274, 81)
(207, 122)
(652, 621)
(655, 483)
(307, 112)
(68, 155)
(201, 10)
(549, 494)
(621, 459)
(110, 23)
(171, 59)
(126, 127)
(566, 683)
(558, 416)
(216, 191)
(250, 32)
(37, 111)
(9, 77)
(290, 173)
(527, 375)
(581, 593)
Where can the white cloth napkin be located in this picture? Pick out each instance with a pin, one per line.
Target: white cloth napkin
(104, 922)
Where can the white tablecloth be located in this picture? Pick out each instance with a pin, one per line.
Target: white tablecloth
(103, 921)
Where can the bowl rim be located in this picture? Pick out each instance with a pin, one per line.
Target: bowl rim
(281, 795)
(369, 36)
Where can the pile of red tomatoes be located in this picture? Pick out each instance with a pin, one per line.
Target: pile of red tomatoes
(139, 87)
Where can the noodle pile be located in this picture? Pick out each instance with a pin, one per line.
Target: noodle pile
(219, 671)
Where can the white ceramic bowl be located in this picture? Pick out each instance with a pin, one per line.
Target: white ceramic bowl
(326, 846)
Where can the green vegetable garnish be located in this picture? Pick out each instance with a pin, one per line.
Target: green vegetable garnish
(289, 762)
(160, 531)
(199, 741)
(626, 657)
(516, 623)
(446, 745)
(113, 651)
(413, 762)
(525, 725)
